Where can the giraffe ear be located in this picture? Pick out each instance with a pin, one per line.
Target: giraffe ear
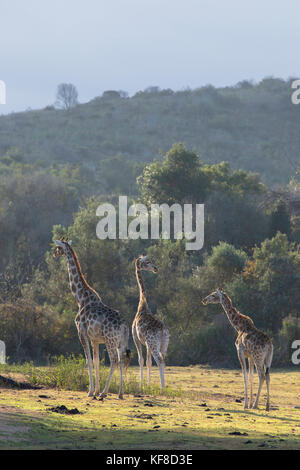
(70, 242)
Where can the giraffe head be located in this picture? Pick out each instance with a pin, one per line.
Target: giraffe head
(61, 247)
(145, 264)
(214, 298)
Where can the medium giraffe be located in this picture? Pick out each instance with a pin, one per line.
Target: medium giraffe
(95, 322)
(251, 343)
(147, 329)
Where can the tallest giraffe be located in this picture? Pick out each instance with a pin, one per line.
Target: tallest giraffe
(95, 322)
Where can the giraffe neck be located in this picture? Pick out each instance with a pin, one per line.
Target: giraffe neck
(233, 315)
(82, 292)
(140, 281)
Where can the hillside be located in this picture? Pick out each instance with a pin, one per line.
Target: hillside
(253, 127)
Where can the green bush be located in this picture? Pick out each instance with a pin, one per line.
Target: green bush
(71, 373)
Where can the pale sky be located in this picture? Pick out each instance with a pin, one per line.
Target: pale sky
(103, 45)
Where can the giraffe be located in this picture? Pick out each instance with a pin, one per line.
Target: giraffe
(147, 329)
(251, 343)
(95, 322)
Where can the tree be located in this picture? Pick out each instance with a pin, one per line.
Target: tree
(226, 260)
(235, 219)
(269, 287)
(280, 220)
(182, 177)
(66, 96)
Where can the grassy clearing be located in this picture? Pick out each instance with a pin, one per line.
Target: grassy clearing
(70, 373)
(201, 412)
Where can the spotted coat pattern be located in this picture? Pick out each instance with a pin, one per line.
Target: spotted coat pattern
(148, 330)
(96, 323)
(251, 343)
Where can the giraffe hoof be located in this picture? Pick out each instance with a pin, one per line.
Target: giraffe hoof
(121, 397)
(90, 394)
(102, 395)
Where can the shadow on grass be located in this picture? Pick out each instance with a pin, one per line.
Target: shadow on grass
(59, 432)
(261, 414)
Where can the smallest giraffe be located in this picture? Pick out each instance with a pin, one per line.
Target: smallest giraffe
(251, 343)
(147, 329)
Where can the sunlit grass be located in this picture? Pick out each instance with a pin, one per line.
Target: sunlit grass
(201, 408)
(70, 373)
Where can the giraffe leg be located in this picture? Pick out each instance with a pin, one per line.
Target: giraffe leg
(242, 360)
(95, 347)
(268, 362)
(268, 389)
(113, 357)
(250, 379)
(149, 364)
(140, 353)
(121, 365)
(261, 375)
(86, 347)
(161, 364)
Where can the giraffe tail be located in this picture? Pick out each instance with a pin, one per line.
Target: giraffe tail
(164, 342)
(268, 359)
(127, 360)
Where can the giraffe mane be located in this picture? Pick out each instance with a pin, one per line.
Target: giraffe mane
(226, 296)
(228, 299)
(80, 272)
(234, 309)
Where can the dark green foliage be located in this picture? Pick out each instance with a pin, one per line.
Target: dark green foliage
(269, 287)
(295, 223)
(236, 219)
(179, 178)
(280, 220)
(182, 177)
